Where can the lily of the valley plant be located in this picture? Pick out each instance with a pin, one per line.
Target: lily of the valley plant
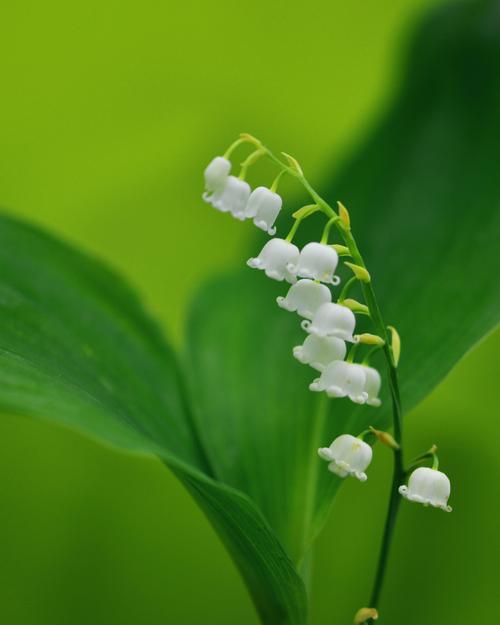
(331, 345)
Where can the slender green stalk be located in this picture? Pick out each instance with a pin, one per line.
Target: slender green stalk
(381, 328)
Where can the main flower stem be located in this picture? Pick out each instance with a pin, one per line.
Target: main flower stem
(381, 328)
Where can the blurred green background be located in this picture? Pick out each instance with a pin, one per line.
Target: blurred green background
(109, 113)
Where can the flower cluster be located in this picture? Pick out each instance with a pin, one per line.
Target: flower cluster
(348, 455)
(310, 272)
(329, 325)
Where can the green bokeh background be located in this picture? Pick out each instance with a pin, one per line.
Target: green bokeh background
(109, 112)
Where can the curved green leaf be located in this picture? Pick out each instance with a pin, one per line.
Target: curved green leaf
(424, 198)
(77, 348)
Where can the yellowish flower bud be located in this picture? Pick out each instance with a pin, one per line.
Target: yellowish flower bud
(250, 138)
(305, 211)
(360, 272)
(385, 438)
(294, 164)
(364, 614)
(341, 250)
(395, 345)
(369, 339)
(344, 215)
(355, 306)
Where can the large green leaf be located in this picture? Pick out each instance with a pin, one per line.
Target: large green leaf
(76, 347)
(424, 197)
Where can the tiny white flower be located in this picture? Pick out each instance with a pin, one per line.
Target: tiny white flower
(216, 175)
(342, 379)
(276, 258)
(332, 320)
(305, 297)
(232, 197)
(428, 487)
(372, 385)
(318, 352)
(347, 455)
(318, 262)
(263, 207)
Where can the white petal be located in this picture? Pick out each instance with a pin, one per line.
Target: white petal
(275, 258)
(348, 456)
(318, 262)
(333, 320)
(318, 352)
(428, 487)
(340, 379)
(305, 297)
(263, 207)
(216, 174)
(372, 386)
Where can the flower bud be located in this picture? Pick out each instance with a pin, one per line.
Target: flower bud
(369, 339)
(360, 272)
(395, 345)
(341, 250)
(294, 164)
(250, 138)
(344, 216)
(305, 211)
(356, 306)
(364, 614)
(385, 438)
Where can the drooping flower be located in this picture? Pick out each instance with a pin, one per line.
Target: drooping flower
(276, 258)
(429, 487)
(232, 197)
(216, 175)
(305, 297)
(342, 379)
(263, 207)
(372, 385)
(347, 455)
(318, 352)
(318, 261)
(332, 320)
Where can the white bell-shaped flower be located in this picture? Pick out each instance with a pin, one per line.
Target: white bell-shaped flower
(332, 320)
(305, 297)
(347, 455)
(372, 385)
(342, 379)
(276, 258)
(428, 487)
(216, 175)
(263, 207)
(318, 261)
(318, 352)
(233, 197)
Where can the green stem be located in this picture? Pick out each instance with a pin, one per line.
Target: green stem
(345, 290)
(293, 230)
(381, 328)
(326, 231)
(398, 470)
